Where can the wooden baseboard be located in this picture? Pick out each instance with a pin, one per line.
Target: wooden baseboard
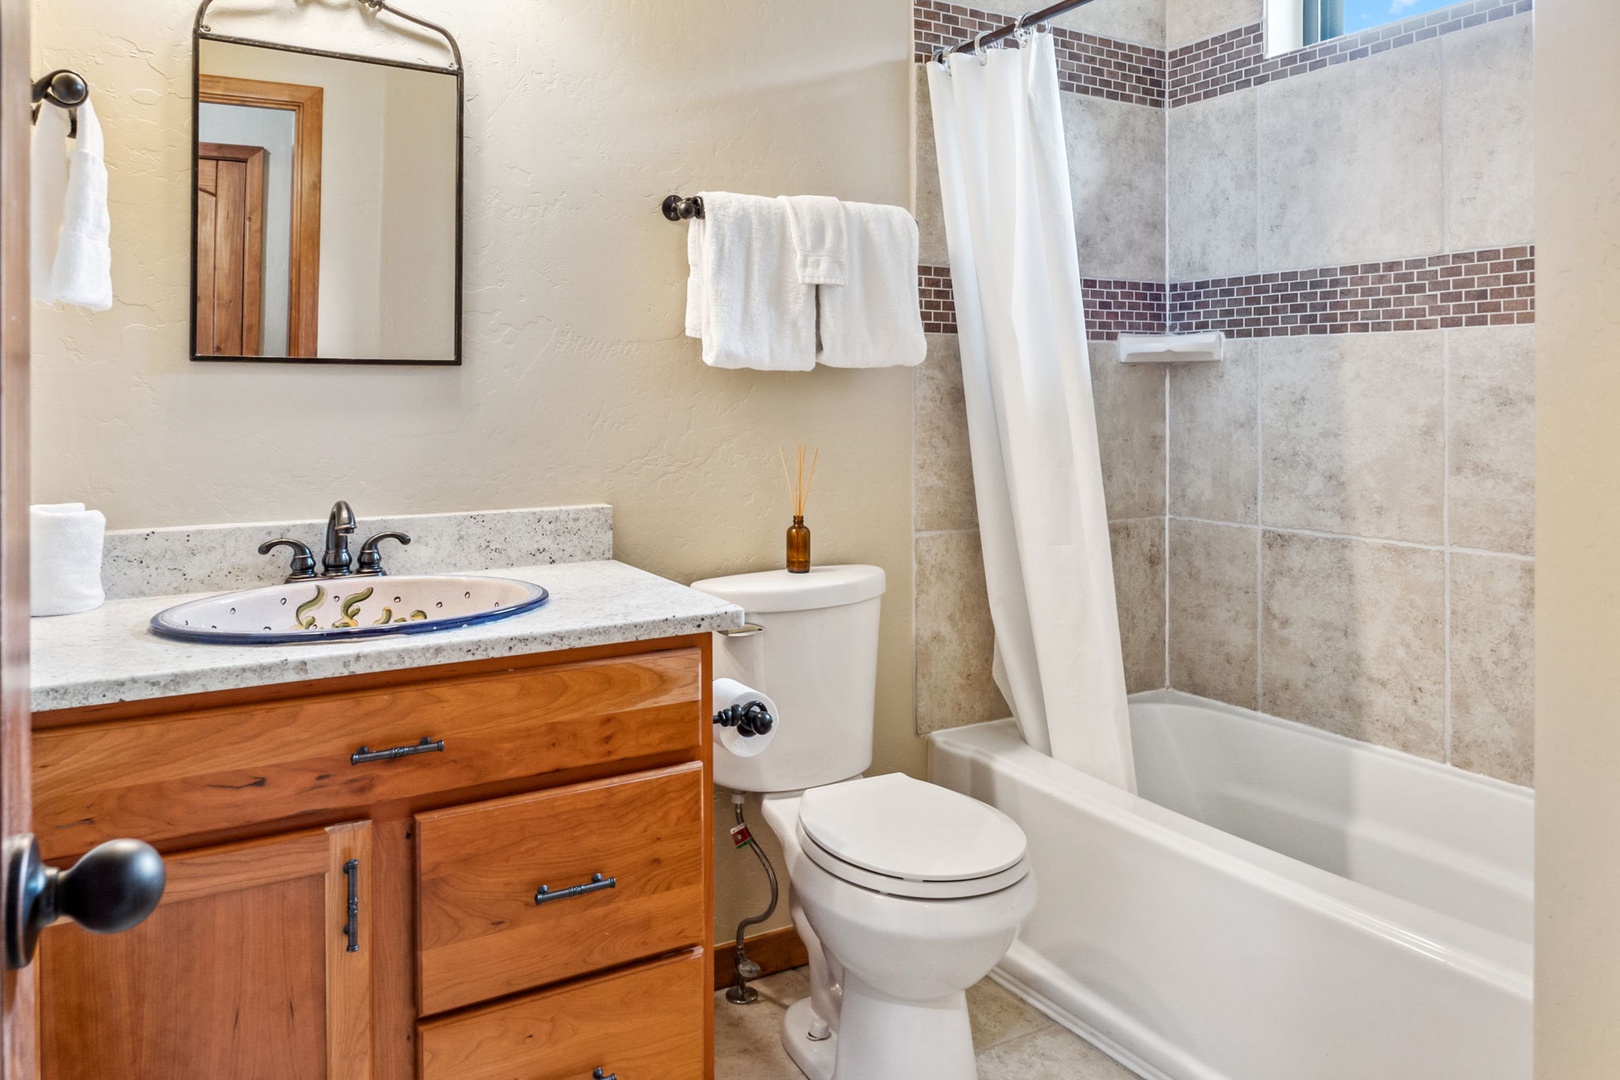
(773, 951)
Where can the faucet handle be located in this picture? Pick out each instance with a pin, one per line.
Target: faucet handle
(371, 558)
(303, 563)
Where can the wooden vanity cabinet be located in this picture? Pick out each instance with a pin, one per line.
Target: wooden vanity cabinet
(532, 899)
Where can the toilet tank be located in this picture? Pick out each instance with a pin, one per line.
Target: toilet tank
(816, 658)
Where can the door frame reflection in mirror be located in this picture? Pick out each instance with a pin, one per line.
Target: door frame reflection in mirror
(304, 261)
(201, 33)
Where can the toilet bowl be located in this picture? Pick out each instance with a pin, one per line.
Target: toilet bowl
(894, 954)
(904, 894)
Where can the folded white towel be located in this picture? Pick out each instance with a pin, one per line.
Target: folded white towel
(744, 297)
(71, 260)
(874, 319)
(820, 238)
(65, 543)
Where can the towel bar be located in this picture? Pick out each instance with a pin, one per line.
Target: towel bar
(680, 208)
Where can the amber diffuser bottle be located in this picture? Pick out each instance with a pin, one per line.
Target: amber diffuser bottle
(798, 535)
(798, 546)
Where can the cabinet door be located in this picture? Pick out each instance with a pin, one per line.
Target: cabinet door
(250, 969)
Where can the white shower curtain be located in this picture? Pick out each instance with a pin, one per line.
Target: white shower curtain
(1043, 524)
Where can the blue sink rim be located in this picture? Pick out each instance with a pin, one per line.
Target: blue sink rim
(162, 627)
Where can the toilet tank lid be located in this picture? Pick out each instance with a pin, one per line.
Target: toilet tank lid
(778, 590)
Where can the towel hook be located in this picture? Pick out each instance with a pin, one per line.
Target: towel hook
(64, 89)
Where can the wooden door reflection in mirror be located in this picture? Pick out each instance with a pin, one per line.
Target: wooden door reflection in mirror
(258, 222)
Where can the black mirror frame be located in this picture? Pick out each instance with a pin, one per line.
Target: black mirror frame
(200, 33)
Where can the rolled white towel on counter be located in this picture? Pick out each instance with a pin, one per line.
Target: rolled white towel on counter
(65, 543)
(728, 692)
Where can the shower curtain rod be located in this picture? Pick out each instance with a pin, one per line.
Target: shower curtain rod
(1032, 18)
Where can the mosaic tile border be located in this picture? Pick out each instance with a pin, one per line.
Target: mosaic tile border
(938, 300)
(1087, 64)
(1236, 59)
(1491, 287)
(1112, 306)
(1222, 64)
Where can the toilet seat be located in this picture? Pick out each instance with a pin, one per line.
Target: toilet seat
(903, 837)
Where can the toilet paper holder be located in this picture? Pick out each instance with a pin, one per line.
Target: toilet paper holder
(749, 718)
(747, 629)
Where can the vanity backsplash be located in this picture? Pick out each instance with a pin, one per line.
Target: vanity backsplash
(219, 558)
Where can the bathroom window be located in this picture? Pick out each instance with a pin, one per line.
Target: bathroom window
(1294, 24)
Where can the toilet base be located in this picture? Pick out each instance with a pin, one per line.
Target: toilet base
(816, 1058)
(880, 1037)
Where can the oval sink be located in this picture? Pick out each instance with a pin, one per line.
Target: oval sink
(343, 609)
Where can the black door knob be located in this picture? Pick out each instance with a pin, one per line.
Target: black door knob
(113, 888)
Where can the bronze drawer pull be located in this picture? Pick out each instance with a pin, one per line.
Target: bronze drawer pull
(544, 895)
(351, 928)
(366, 753)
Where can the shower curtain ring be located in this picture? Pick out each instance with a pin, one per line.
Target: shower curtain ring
(978, 48)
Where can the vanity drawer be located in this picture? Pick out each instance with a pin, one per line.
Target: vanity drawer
(166, 777)
(647, 1023)
(480, 931)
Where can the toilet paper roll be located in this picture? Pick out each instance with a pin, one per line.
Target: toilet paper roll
(65, 541)
(728, 692)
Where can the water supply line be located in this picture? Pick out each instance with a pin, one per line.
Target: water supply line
(740, 993)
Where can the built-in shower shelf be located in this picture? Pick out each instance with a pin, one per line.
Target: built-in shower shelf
(1171, 348)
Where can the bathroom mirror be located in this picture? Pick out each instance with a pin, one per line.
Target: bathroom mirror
(326, 199)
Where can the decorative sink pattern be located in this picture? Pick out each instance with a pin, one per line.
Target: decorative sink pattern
(346, 608)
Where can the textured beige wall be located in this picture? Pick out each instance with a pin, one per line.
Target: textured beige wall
(1578, 540)
(578, 385)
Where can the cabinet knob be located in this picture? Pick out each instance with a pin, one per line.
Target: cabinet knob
(600, 1075)
(113, 888)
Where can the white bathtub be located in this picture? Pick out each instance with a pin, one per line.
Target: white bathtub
(1278, 904)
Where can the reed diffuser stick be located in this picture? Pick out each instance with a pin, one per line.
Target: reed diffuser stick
(799, 481)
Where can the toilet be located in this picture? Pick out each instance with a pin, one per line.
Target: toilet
(904, 893)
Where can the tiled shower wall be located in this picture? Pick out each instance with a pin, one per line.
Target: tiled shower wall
(1335, 524)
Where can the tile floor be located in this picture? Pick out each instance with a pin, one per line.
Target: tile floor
(1013, 1040)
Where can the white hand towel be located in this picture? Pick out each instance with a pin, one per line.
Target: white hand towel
(744, 297)
(874, 319)
(47, 193)
(83, 272)
(820, 238)
(65, 543)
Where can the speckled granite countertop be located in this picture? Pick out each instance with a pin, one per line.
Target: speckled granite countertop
(110, 655)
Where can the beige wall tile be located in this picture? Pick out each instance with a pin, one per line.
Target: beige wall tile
(942, 460)
(1116, 173)
(1350, 162)
(1493, 438)
(1139, 588)
(1490, 168)
(1493, 666)
(1213, 438)
(1214, 587)
(955, 639)
(927, 205)
(1352, 434)
(1353, 639)
(1130, 432)
(1187, 21)
(1211, 185)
